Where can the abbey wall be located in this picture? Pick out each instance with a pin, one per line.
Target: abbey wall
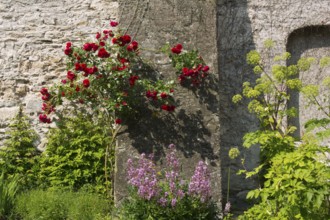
(206, 124)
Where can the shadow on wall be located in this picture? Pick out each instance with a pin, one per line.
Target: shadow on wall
(235, 40)
(186, 130)
(312, 41)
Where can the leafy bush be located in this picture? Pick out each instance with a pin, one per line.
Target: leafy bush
(295, 181)
(8, 191)
(54, 205)
(19, 155)
(297, 187)
(75, 154)
(153, 196)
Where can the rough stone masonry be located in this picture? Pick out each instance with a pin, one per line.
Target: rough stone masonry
(34, 32)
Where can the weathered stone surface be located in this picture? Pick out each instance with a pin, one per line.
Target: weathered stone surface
(244, 25)
(32, 38)
(33, 34)
(194, 127)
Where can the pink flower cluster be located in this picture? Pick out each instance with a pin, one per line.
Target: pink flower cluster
(170, 189)
(143, 177)
(200, 184)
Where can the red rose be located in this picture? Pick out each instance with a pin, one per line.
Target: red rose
(118, 121)
(63, 81)
(152, 94)
(205, 68)
(177, 49)
(70, 75)
(169, 108)
(103, 53)
(163, 95)
(126, 39)
(113, 23)
(77, 88)
(68, 44)
(86, 83)
(114, 40)
(44, 91)
(98, 35)
(43, 118)
(132, 80)
(102, 44)
(67, 51)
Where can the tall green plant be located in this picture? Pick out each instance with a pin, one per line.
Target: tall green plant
(296, 179)
(8, 191)
(19, 156)
(75, 154)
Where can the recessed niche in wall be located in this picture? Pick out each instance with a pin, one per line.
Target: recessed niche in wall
(313, 41)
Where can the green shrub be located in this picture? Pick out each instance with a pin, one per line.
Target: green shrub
(55, 205)
(19, 156)
(8, 191)
(75, 155)
(294, 179)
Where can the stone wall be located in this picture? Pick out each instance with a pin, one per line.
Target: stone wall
(244, 25)
(207, 124)
(194, 127)
(33, 34)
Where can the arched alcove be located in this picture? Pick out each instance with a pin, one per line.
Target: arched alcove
(311, 41)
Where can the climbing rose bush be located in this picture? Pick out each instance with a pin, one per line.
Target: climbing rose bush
(108, 73)
(165, 193)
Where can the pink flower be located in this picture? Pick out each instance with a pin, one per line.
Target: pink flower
(86, 83)
(113, 23)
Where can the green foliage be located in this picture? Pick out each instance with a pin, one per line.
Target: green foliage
(75, 154)
(55, 205)
(295, 179)
(297, 187)
(8, 191)
(19, 155)
(136, 208)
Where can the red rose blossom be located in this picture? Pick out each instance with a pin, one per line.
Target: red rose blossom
(98, 35)
(43, 118)
(163, 95)
(118, 121)
(70, 75)
(86, 83)
(177, 49)
(205, 69)
(103, 53)
(113, 23)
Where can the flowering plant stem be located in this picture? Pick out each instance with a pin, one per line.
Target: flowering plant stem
(110, 148)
